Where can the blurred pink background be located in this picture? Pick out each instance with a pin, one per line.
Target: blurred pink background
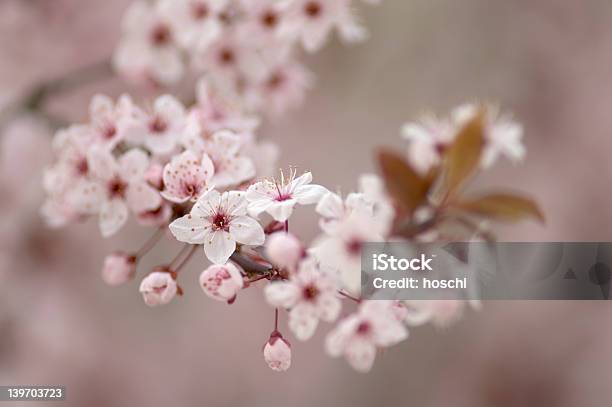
(548, 61)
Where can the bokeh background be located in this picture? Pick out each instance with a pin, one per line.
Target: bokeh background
(548, 61)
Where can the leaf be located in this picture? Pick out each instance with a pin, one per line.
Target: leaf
(463, 155)
(402, 182)
(502, 206)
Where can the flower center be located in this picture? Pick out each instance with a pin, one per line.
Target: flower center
(199, 10)
(275, 80)
(310, 292)
(363, 328)
(313, 9)
(269, 19)
(116, 188)
(109, 131)
(226, 56)
(220, 222)
(82, 168)
(158, 125)
(161, 35)
(354, 246)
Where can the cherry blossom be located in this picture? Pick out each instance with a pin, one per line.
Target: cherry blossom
(119, 268)
(284, 250)
(148, 48)
(223, 147)
(221, 282)
(158, 288)
(277, 352)
(358, 336)
(219, 221)
(278, 198)
(110, 122)
(428, 138)
(160, 129)
(187, 176)
(119, 186)
(311, 296)
(312, 20)
(195, 22)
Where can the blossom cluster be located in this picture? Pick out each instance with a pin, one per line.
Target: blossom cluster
(249, 47)
(147, 161)
(201, 173)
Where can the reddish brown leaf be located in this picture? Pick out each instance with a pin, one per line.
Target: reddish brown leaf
(463, 155)
(402, 182)
(502, 206)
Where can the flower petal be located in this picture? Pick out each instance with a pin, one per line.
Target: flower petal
(219, 247)
(247, 230)
(113, 216)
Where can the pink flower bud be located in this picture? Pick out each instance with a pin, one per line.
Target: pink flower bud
(119, 268)
(284, 249)
(277, 352)
(154, 176)
(221, 282)
(158, 288)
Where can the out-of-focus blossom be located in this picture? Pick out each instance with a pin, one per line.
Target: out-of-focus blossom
(158, 288)
(221, 282)
(310, 295)
(278, 197)
(284, 250)
(159, 130)
(311, 21)
(428, 138)
(277, 352)
(218, 221)
(148, 48)
(119, 268)
(119, 185)
(358, 336)
(196, 23)
(110, 122)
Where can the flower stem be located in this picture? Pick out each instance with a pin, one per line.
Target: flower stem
(275, 319)
(150, 243)
(179, 255)
(187, 258)
(350, 297)
(248, 265)
(287, 226)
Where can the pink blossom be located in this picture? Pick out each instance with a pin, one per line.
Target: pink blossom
(221, 282)
(279, 197)
(155, 217)
(110, 122)
(119, 268)
(158, 288)
(359, 335)
(119, 186)
(195, 22)
(218, 221)
(160, 129)
(223, 147)
(428, 138)
(187, 177)
(148, 46)
(277, 352)
(284, 250)
(310, 21)
(310, 295)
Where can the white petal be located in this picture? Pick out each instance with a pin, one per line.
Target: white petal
(282, 294)
(219, 247)
(113, 216)
(309, 194)
(329, 307)
(247, 230)
(303, 321)
(142, 197)
(191, 229)
(361, 354)
(281, 211)
(133, 164)
(330, 206)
